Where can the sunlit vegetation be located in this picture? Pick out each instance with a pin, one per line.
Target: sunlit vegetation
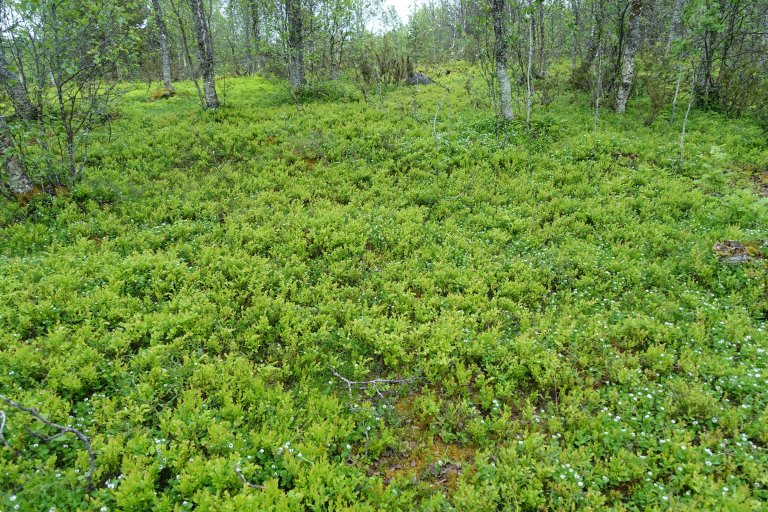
(560, 332)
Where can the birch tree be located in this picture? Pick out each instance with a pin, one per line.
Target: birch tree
(205, 53)
(295, 18)
(165, 51)
(498, 9)
(16, 92)
(631, 45)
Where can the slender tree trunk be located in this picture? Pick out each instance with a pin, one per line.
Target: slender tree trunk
(595, 34)
(676, 28)
(687, 113)
(628, 56)
(529, 78)
(705, 83)
(18, 180)
(677, 92)
(256, 32)
(580, 77)
(249, 66)
(186, 53)
(205, 51)
(599, 88)
(296, 68)
(542, 42)
(500, 51)
(165, 51)
(576, 51)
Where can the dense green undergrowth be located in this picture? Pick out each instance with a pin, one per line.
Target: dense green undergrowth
(565, 336)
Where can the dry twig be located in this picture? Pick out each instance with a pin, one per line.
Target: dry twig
(367, 383)
(61, 428)
(246, 483)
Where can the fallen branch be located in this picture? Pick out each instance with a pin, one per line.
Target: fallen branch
(61, 428)
(367, 383)
(244, 480)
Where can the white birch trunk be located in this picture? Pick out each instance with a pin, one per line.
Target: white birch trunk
(529, 92)
(628, 56)
(205, 51)
(165, 51)
(500, 51)
(296, 69)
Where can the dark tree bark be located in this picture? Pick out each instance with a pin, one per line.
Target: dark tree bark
(498, 8)
(576, 51)
(165, 51)
(295, 43)
(205, 51)
(628, 55)
(706, 84)
(255, 33)
(580, 77)
(542, 42)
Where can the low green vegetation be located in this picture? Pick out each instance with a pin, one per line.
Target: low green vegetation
(561, 332)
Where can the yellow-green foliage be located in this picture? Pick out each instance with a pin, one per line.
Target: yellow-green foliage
(571, 340)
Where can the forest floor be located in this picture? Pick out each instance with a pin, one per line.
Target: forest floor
(560, 330)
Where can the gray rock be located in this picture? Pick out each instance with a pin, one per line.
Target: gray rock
(418, 79)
